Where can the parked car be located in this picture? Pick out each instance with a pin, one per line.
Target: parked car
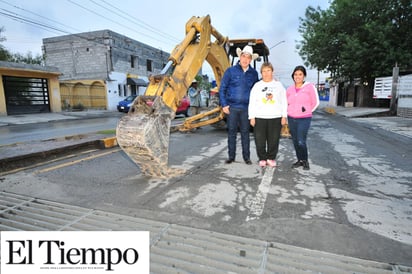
(184, 107)
(124, 105)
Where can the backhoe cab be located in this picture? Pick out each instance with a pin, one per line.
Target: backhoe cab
(258, 46)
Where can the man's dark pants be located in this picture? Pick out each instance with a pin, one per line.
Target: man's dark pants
(238, 120)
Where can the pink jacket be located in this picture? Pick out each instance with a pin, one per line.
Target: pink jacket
(302, 102)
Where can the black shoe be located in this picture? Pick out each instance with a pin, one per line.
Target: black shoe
(248, 162)
(297, 164)
(305, 165)
(229, 161)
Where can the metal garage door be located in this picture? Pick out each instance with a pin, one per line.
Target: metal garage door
(26, 95)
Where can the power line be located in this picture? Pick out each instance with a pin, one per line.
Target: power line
(102, 16)
(48, 27)
(39, 15)
(138, 21)
(29, 21)
(41, 25)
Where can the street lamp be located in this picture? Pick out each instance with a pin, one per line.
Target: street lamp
(278, 43)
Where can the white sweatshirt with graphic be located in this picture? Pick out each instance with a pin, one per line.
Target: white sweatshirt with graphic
(268, 100)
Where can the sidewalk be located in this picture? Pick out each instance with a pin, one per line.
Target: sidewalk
(374, 118)
(352, 112)
(55, 116)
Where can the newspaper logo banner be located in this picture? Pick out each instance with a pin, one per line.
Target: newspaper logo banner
(54, 252)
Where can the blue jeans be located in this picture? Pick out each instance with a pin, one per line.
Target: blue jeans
(299, 128)
(238, 120)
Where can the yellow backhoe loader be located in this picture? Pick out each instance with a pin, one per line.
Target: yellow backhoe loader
(144, 132)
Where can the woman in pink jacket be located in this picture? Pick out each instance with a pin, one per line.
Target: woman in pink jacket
(302, 99)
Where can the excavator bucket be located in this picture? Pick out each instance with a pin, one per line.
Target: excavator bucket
(143, 134)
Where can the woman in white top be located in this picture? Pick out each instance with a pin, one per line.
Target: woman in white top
(267, 114)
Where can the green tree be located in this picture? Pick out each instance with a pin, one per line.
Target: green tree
(4, 53)
(28, 58)
(358, 38)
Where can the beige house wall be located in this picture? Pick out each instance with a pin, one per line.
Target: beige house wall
(53, 84)
(90, 94)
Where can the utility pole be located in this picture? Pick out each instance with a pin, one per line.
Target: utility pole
(394, 92)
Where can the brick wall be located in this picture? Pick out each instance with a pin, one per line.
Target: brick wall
(93, 55)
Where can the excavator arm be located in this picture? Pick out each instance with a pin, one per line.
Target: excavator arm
(144, 132)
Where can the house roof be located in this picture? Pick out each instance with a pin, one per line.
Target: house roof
(136, 82)
(29, 67)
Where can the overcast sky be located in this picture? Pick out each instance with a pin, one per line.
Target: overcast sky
(161, 23)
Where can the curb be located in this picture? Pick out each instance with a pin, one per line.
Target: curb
(330, 110)
(108, 142)
(10, 163)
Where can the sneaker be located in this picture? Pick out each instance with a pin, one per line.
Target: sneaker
(305, 165)
(297, 164)
(262, 163)
(229, 161)
(248, 162)
(271, 163)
